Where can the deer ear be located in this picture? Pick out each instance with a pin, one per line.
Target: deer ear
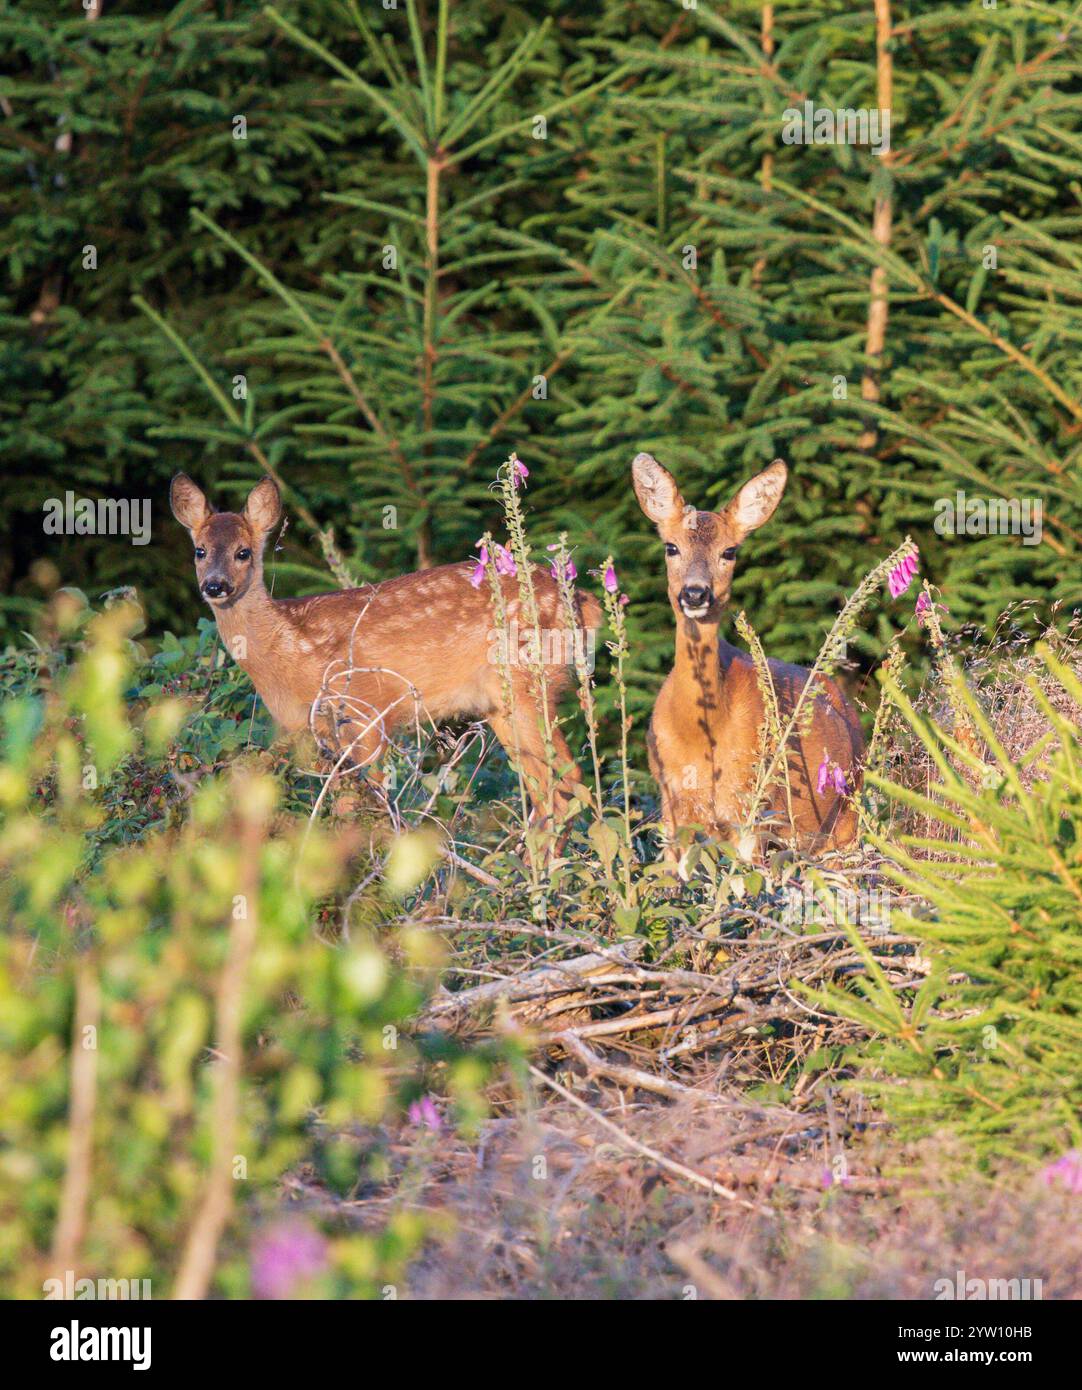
(758, 499)
(188, 502)
(656, 489)
(263, 508)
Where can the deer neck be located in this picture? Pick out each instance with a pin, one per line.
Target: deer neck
(697, 672)
(249, 626)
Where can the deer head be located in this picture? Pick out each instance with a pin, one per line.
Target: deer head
(701, 547)
(228, 545)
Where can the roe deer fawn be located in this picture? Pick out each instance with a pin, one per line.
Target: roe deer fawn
(704, 737)
(357, 664)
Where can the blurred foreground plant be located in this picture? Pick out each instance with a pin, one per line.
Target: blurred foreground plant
(174, 1035)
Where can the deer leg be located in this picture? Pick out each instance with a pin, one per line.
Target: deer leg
(524, 744)
(669, 851)
(569, 784)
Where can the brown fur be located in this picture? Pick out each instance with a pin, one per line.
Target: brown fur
(419, 646)
(704, 733)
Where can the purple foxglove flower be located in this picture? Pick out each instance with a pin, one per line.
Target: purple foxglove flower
(923, 605)
(284, 1255)
(609, 580)
(901, 576)
(477, 574)
(424, 1112)
(505, 561)
(570, 573)
(1066, 1172)
(840, 784)
(823, 777)
(519, 471)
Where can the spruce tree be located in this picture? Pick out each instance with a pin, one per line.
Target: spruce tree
(449, 231)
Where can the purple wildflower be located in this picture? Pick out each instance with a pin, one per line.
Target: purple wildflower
(424, 1112)
(609, 580)
(1066, 1172)
(570, 572)
(901, 576)
(519, 471)
(285, 1255)
(505, 561)
(830, 774)
(923, 605)
(477, 574)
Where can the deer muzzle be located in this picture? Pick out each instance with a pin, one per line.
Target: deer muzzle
(696, 600)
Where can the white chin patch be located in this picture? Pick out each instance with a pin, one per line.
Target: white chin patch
(695, 612)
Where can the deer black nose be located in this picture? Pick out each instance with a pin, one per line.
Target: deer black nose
(215, 588)
(696, 596)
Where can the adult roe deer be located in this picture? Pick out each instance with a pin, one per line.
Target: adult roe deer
(704, 737)
(373, 659)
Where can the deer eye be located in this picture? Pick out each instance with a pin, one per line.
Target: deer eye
(671, 549)
(243, 553)
(729, 553)
(200, 553)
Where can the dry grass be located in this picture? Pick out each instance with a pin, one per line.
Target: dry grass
(548, 1205)
(1002, 669)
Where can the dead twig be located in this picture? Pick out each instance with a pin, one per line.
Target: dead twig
(669, 1165)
